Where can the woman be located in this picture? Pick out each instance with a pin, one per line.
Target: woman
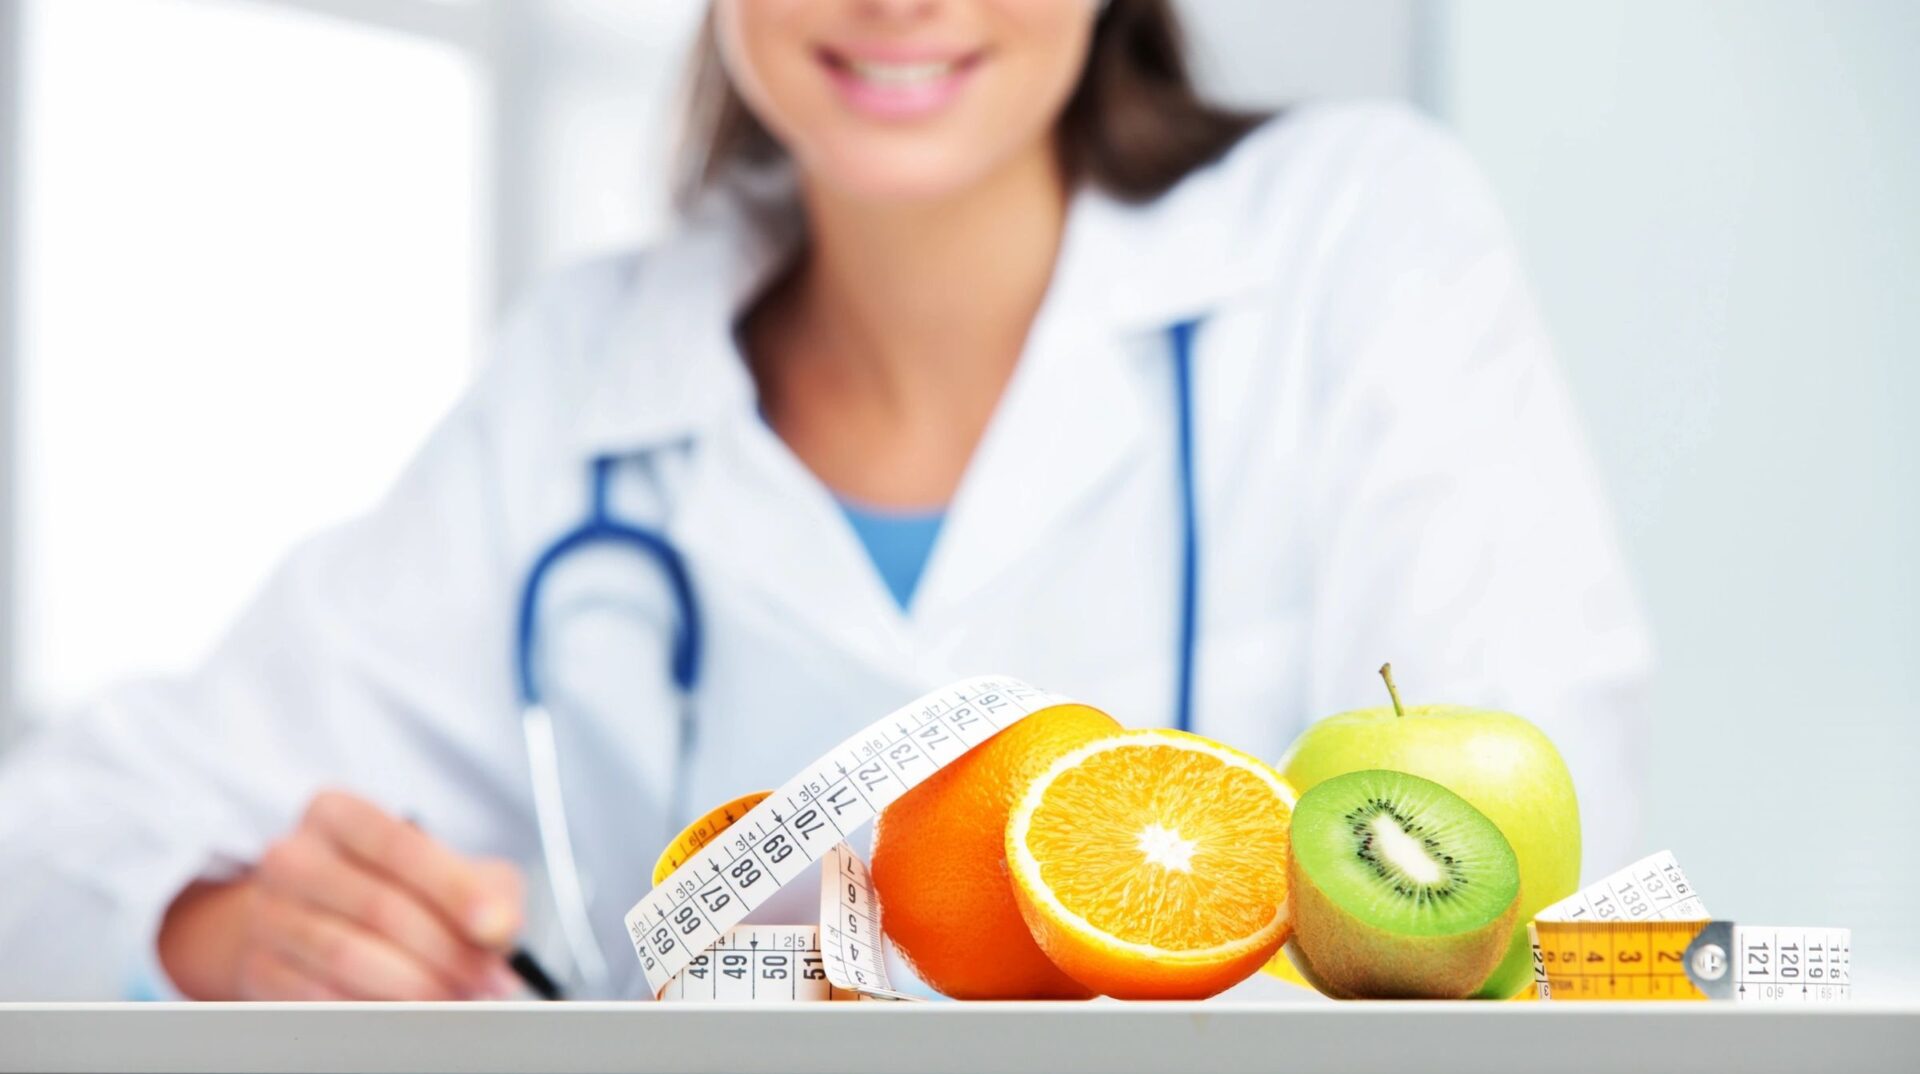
(973, 300)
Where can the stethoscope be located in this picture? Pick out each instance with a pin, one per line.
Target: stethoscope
(600, 529)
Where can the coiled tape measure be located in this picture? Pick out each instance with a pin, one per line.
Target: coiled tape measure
(1644, 934)
(687, 931)
(754, 963)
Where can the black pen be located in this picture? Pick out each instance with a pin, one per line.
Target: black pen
(523, 964)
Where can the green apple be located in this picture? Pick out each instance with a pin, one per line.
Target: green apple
(1499, 762)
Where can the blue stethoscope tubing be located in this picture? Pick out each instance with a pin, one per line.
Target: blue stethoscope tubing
(601, 529)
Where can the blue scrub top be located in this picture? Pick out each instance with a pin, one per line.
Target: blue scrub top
(898, 541)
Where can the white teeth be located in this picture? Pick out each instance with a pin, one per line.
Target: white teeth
(901, 74)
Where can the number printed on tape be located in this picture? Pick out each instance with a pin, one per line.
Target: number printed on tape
(1791, 965)
(1651, 889)
(851, 942)
(757, 964)
(802, 822)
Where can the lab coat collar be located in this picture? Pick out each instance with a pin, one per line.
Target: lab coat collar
(672, 369)
(1086, 402)
(669, 369)
(1138, 268)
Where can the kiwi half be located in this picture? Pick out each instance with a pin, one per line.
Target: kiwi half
(1400, 888)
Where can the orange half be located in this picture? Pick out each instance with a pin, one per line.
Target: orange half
(1153, 864)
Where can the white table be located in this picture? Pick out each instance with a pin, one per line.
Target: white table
(986, 1038)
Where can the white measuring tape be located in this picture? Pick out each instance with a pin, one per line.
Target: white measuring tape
(687, 931)
(1644, 933)
(772, 963)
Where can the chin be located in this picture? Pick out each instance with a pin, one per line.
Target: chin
(900, 171)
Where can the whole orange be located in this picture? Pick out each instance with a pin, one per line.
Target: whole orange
(940, 864)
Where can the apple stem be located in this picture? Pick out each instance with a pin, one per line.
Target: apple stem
(1386, 672)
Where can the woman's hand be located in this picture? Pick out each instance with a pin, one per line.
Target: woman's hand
(352, 904)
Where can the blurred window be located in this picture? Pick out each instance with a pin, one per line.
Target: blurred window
(252, 273)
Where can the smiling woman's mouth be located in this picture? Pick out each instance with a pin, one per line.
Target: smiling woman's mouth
(898, 87)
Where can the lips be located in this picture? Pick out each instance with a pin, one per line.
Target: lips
(899, 84)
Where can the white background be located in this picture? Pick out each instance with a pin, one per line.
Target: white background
(258, 248)
(249, 282)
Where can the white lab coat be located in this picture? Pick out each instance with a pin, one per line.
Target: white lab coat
(1388, 468)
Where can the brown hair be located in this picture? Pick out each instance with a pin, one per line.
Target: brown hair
(1135, 125)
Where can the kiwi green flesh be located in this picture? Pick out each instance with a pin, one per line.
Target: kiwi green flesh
(1403, 854)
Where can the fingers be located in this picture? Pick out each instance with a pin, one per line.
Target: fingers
(352, 904)
(265, 975)
(473, 900)
(311, 870)
(501, 881)
(336, 956)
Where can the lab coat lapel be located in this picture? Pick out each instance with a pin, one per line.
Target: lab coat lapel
(759, 522)
(1072, 419)
(1092, 395)
(762, 535)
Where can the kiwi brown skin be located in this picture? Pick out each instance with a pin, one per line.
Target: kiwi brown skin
(1348, 958)
(1313, 976)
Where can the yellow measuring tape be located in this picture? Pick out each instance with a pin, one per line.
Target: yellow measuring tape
(697, 835)
(1693, 960)
(1618, 959)
(1644, 934)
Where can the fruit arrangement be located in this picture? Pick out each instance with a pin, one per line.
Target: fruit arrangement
(1396, 853)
